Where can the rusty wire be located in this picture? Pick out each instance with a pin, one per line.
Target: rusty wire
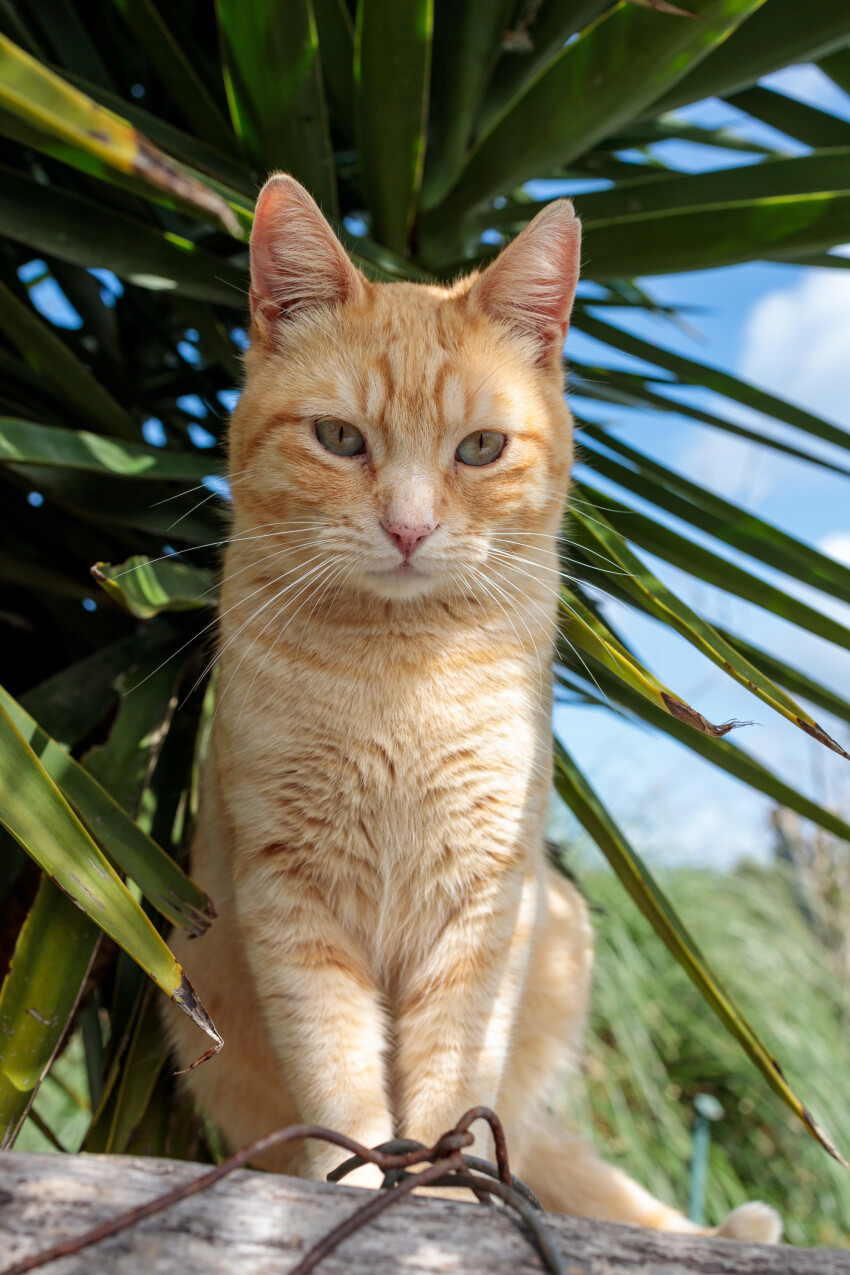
(446, 1167)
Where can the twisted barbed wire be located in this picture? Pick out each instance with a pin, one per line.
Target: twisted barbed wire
(447, 1166)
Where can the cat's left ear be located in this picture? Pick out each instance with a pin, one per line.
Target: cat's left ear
(297, 262)
(532, 283)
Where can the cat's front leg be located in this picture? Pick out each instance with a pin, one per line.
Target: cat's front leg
(458, 1011)
(324, 1015)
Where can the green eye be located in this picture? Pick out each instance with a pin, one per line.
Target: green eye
(340, 438)
(482, 447)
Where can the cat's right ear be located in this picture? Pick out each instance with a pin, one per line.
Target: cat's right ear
(297, 262)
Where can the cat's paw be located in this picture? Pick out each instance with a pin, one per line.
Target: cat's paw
(755, 1222)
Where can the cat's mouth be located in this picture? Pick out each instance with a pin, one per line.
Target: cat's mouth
(405, 580)
(402, 571)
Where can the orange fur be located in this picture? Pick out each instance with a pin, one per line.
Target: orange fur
(392, 947)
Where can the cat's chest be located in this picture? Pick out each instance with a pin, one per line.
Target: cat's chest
(386, 769)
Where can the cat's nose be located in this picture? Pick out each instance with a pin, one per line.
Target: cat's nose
(407, 536)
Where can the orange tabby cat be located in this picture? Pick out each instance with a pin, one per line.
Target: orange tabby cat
(392, 947)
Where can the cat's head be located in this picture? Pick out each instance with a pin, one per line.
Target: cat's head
(412, 433)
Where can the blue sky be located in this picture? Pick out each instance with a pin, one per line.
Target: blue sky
(787, 329)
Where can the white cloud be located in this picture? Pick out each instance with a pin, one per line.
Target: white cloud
(732, 467)
(837, 546)
(797, 343)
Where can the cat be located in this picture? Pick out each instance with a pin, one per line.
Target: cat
(391, 947)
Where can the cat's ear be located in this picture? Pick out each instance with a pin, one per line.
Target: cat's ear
(532, 283)
(297, 262)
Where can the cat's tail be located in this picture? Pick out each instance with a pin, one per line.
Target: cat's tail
(755, 1222)
(569, 1177)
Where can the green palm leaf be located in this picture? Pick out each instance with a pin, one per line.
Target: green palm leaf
(615, 68)
(595, 533)
(275, 92)
(45, 101)
(158, 876)
(34, 811)
(39, 994)
(637, 879)
(392, 59)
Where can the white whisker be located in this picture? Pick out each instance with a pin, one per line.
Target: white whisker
(558, 630)
(319, 557)
(330, 568)
(230, 479)
(216, 544)
(518, 613)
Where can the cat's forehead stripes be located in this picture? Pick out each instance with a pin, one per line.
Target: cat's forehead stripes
(421, 370)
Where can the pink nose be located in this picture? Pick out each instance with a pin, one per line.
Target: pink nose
(406, 537)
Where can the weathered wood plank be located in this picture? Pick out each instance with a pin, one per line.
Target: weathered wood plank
(261, 1224)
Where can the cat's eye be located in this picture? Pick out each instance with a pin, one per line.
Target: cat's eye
(340, 438)
(482, 447)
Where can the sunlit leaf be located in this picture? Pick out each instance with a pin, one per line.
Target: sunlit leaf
(159, 878)
(270, 52)
(26, 443)
(45, 100)
(146, 587)
(34, 811)
(81, 231)
(722, 753)
(42, 987)
(616, 67)
(778, 33)
(594, 532)
(591, 635)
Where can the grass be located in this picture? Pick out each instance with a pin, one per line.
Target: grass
(654, 1044)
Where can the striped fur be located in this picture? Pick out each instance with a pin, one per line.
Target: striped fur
(392, 947)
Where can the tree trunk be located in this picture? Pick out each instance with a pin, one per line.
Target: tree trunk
(262, 1224)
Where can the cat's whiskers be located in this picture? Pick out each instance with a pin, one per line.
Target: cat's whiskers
(332, 578)
(309, 577)
(341, 585)
(602, 595)
(212, 496)
(561, 600)
(215, 544)
(215, 620)
(613, 509)
(230, 479)
(604, 525)
(462, 584)
(219, 616)
(267, 584)
(311, 588)
(559, 631)
(564, 539)
(485, 585)
(557, 570)
(312, 543)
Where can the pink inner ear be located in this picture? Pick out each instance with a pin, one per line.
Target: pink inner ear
(532, 284)
(296, 259)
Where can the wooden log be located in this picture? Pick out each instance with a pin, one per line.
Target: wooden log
(262, 1224)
